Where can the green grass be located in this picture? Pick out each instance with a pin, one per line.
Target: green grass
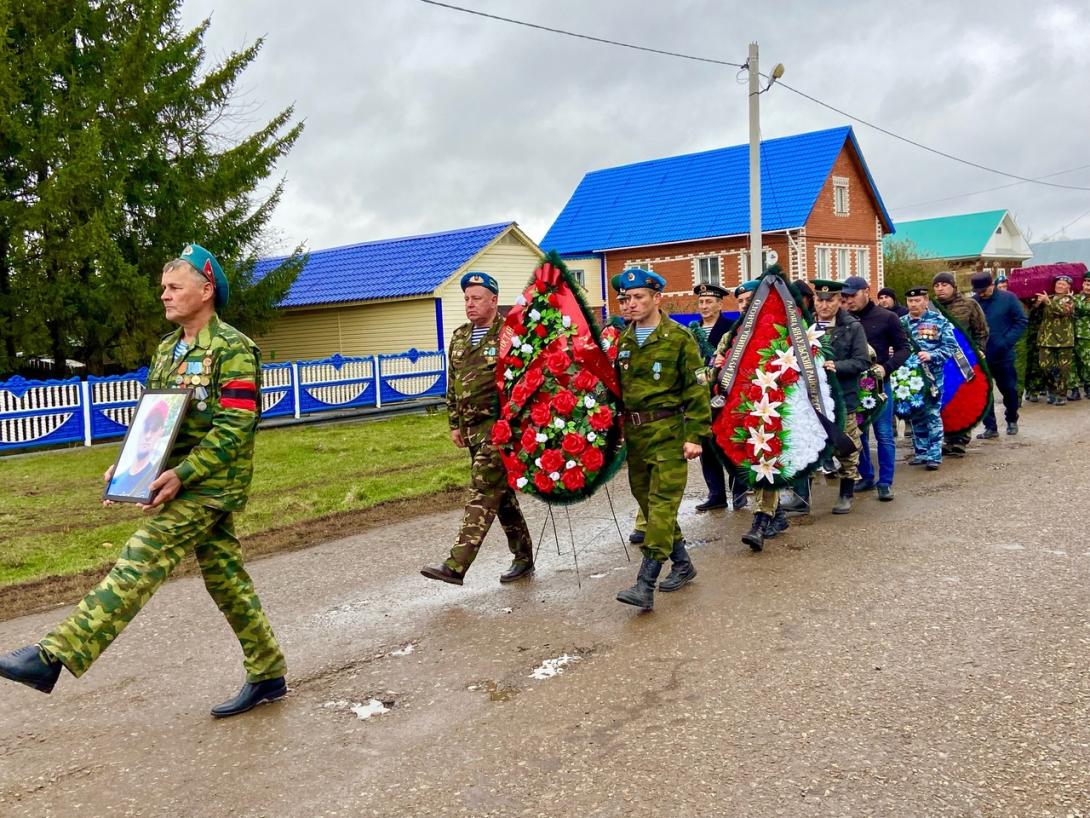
(52, 522)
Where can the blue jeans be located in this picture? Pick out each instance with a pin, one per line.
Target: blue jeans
(887, 451)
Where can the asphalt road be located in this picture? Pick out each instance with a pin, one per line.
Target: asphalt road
(926, 657)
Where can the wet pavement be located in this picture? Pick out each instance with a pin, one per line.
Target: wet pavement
(926, 657)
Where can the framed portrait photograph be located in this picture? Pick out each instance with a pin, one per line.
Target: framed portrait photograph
(147, 444)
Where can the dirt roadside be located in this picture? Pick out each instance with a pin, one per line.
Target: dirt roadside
(41, 594)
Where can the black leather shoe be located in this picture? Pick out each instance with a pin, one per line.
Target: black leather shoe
(636, 537)
(988, 434)
(251, 695)
(863, 485)
(518, 570)
(885, 494)
(31, 666)
(443, 573)
(932, 465)
(710, 503)
(916, 461)
(1012, 428)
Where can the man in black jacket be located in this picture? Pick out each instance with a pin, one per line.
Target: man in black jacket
(1007, 323)
(887, 338)
(850, 359)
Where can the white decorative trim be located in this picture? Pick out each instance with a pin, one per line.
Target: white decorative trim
(880, 262)
(841, 183)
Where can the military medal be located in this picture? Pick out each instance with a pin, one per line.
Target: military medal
(201, 406)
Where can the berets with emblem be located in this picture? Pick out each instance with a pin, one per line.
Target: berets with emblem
(915, 291)
(635, 278)
(713, 290)
(1063, 277)
(473, 278)
(747, 287)
(205, 263)
(825, 288)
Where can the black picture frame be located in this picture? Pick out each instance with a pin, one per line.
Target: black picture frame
(161, 411)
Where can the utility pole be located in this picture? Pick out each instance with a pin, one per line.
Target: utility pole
(756, 259)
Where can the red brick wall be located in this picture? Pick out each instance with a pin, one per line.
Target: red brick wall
(857, 229)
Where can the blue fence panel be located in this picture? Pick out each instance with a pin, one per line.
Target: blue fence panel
(113, 402)
(277, 390)
(40, 413)
(412, 375)
(336, 383)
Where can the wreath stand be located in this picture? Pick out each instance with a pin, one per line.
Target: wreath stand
(550, 518)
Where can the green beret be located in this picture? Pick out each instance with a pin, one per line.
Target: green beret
(481, 280)
(636, 277)
(205, 263)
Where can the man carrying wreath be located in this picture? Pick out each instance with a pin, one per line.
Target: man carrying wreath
(666, 415)
(473, 405)
(193, 502)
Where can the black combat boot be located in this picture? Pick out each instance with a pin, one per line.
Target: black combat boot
(1073, 394)
(682, 570)
(642, 594)
(31, 666)
(777, 523)
(755, 537)
(844, 501)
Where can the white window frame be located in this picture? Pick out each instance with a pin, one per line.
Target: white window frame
(580, 275)
(743, 262)
(700, 262)
(823, 261)
(843, 263)
(862, 262)
(841, 201)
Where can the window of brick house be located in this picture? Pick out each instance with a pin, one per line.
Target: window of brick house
(862, 262)
(823, 260)
(840, 196)
(707, 271)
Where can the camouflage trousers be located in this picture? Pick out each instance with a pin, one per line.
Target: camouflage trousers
(765, 501)
(1055, 363)
(927, 432)
(147, 559)
(658, 483)
(1080, 369)
(849, 464)
(490, 497)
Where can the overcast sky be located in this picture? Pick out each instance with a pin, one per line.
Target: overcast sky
(421, 119)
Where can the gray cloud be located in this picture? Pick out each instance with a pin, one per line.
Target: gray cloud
(420, 119)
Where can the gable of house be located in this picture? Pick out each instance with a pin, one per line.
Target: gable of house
(988, 234)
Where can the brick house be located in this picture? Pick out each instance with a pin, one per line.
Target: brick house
(687, 217)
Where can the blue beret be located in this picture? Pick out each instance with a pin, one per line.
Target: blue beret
(747, 287)
(636, 277)
(205, 263)
(481, 280)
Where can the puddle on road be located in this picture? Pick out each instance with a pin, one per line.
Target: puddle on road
(496, 691)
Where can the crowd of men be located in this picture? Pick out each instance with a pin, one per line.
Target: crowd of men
(667, 411)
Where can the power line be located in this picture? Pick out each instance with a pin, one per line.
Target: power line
(793, 90)
(602, 40)
(985, 190)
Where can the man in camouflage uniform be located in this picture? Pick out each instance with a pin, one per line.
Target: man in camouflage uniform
(207, 479)
(1056, 338)
(1080, 371)
(666, 415)
(932, 339)
(969, 314)
(473, 405)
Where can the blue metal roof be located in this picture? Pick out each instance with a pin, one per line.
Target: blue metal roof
(700, 195)
(391, 268)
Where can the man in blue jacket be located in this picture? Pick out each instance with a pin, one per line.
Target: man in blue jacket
(1007, 323)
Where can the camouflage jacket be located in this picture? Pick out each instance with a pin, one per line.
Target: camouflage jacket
(933, 334)
(472, 396)
(969, 314)
(1082, 316)
(1057, 322)
(662, 374)
(213, 454)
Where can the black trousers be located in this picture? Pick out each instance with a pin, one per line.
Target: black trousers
(1006, 378)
